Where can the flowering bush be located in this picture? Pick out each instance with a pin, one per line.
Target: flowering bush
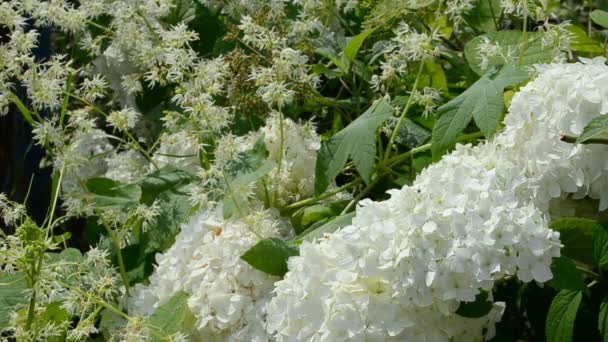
(306, 170)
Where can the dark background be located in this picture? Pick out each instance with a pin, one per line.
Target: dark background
(19, 157)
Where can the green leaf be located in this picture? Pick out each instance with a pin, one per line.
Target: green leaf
(307, 216)
(483, 101)
(484, 15)
(576, 234)
(168, 186)
(410, 134)
(54, 313)
(478, 308)
(316, 231)
(172, 317)
(248, 161)
(600, 247)
(357, 141)
(109, 323)
(168, 179)
(595, 128)
(71, 255)
(160, 235)
(234, 199)
(108, 194)
(248, 168)
(434, 76)
(354, 45)
(562, 315)
(182, 11)
(602, 320)
(270, 256)
(600, 17)
(565, 275)
(509, 42)
(581, 42)
(332, 56)
(12, 287)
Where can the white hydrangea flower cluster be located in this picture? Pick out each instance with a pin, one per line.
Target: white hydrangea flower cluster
(227, 295)
(561, 102)
(467, 221)
(405, 264)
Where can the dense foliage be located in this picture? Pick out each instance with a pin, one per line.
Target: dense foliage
(309, 170)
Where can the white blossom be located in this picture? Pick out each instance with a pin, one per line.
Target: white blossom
(227, 295)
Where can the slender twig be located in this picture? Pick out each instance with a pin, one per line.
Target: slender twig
(323, 196)
(573, 140)
(410, 101)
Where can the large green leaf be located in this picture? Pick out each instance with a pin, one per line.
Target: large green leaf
(600, 17)
(172, 317)
(576, 234)
(565, 275)
(483, 101)
(357, 141)
(581, 42)
(12, 287)
(110, 194)
(270, 256)
(168, 179)
(509, 42)
(597, 127)
(562, 315)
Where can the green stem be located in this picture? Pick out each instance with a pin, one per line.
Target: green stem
(66, 98)
(101, 27)
(54, 204)
(150, 28)
(232, 197)
(398, 158)
(363, 192)
(524, 35)
(95, 108)
(31, 310)
(33, 278)
(280, 158)
(141, 149)
(328, 194)
(27, 115)
(589, 272)
(121, 264)
(410, 101)
(573, 140)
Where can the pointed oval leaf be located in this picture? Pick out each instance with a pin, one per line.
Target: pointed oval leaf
(562, 315)
(270, 256)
